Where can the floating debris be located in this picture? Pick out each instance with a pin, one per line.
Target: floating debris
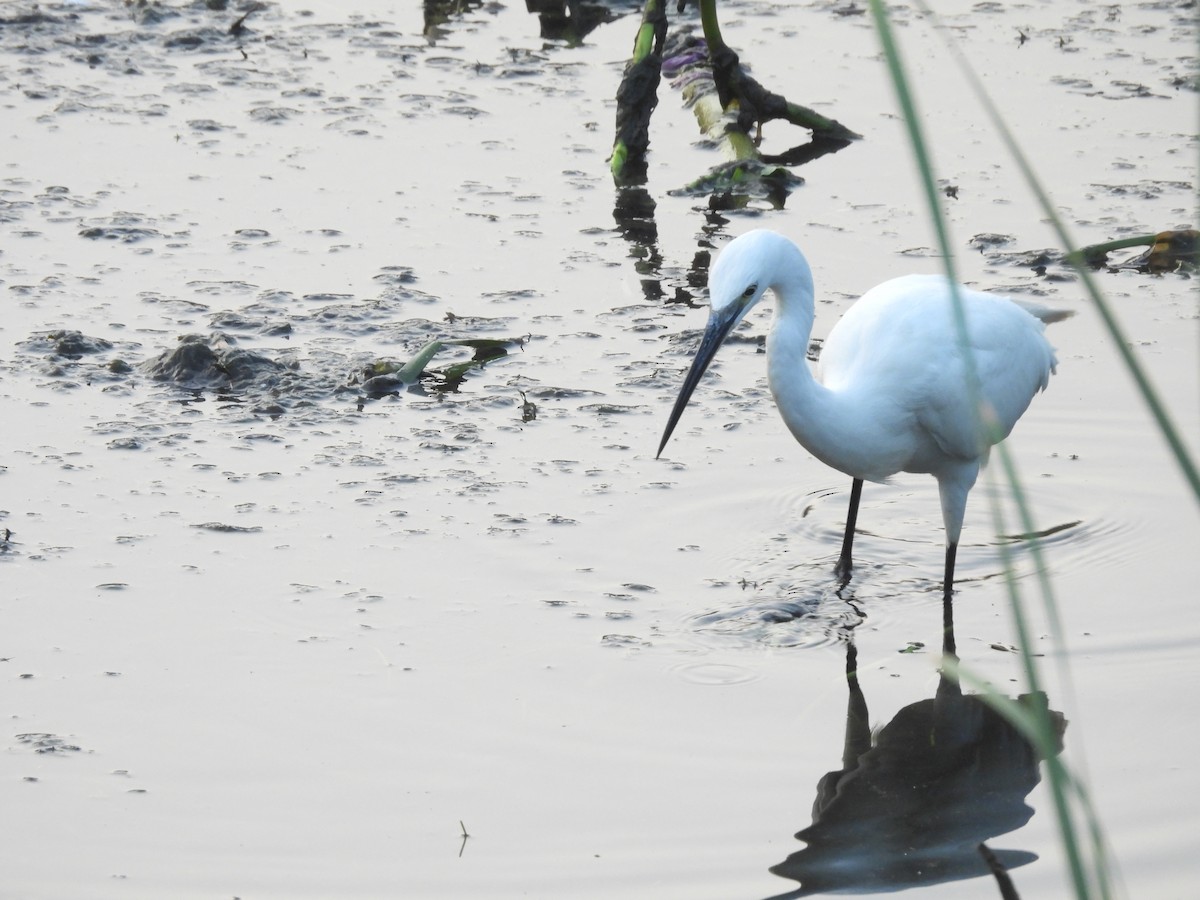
(1168, 251)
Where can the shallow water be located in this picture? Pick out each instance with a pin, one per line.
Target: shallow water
(281, 639)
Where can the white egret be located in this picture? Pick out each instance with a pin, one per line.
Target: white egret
(891, 391)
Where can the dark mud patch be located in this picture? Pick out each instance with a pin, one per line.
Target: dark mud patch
(48, 744)
(68, 344)
(216, 361)
(225, 363)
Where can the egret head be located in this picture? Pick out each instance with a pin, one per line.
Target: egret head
(753, 262)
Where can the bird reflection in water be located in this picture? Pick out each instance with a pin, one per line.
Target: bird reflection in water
(913, 803)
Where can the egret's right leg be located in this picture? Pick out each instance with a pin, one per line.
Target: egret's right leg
(948, 601)
(845, 562)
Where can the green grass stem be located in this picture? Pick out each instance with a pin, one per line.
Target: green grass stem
(1068, 794)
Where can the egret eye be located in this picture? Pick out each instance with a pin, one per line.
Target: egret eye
(750, 291)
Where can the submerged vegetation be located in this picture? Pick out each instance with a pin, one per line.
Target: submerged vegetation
(730, 106)
(384, 377)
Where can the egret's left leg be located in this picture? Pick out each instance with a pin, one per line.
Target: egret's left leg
(845, 563)
(948, 577)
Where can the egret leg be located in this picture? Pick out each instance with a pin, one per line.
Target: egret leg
(844, 563)
(948, 578)
(948, 647)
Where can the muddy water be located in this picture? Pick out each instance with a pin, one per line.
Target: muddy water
(266, 635)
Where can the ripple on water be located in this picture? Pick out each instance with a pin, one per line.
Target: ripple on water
(900, 526)
(716, 674)
(1070, 538)
(780, 590)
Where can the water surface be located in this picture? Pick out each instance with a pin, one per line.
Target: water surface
(274, 637)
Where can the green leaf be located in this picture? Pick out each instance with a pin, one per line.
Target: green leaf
(412, 370)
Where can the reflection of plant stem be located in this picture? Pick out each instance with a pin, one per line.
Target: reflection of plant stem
(1008, 890)
(741, 103)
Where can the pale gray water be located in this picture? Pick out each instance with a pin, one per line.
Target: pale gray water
(276, 645)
